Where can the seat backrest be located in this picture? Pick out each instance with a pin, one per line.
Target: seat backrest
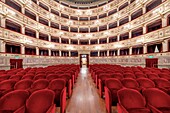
(16, 77)
(28, 77)
(152, 76)
(13, 100)
(40, 101)
(129, 75)
(7, 84)
(161, 82)
(52, 76)
(113, 83)
(130, 83)
(39, 76)
(145, 82)
(130, 98)
(140, 75)
(156, 97)
(117, 75)
(23, 84)
(57, 84)
(40, 84)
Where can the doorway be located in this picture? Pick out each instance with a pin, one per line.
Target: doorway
(152, 62)
(84, 60)
(16, 63)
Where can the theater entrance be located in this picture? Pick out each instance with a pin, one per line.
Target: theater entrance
(84, 60)
(16, 63)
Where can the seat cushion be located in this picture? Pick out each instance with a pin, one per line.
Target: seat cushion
(139, 110)
(164, 109)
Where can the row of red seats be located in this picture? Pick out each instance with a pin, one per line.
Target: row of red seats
(115, 77)
(58, 79)
(113, 85)
(19, 101)
(151, 100)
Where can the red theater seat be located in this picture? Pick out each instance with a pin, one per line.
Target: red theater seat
(158, 101)
(39, 84)
(57, 85)
(131, 101)
(117, 76)
(23, 84)
(12, 101)
(41, 101)
(163, 84)
(130, 83)
(6, 86)
(145, 83)
(112, 85)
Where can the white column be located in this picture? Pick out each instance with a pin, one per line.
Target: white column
(37, 34)
(144, 48)
(60, 53)
(118, 52)
(164, 22)
(130, 34)
(107, 52)
(23, 29)
(3, 21)
(144, 29)
(118, 37)
(69, 53)
(144, 9)
(37, 51)
(22, 49)
(2, 46)
(98, 53)
(69, 41)
(130, 51)
(49, 52)
(98, 41)
(23, 9)
(49, 37)
(165, 45)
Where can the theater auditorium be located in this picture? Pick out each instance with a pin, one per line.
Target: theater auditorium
(84, 56)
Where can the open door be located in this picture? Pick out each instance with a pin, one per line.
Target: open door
(16, 63)
(152, 62)
(84, 60)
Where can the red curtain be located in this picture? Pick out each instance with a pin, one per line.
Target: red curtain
(152, 62)
(16, 63)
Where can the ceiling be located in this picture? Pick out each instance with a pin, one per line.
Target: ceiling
(84, 2)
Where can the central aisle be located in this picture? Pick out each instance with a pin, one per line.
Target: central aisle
(85, 98)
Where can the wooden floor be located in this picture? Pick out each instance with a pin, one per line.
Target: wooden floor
(85, 97)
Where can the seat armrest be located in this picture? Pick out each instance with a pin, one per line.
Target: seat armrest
(20, 110)
(121, 109)
(51, 109)
(153, 109)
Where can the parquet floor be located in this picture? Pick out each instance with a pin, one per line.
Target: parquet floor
(85, 97)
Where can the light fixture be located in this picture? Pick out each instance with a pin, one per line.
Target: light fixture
(89, 35)
(141, 40)
(106, 7)
(79, 35)
(118, 45)
(158, 11)
(69, 22)
(40, 27)
(9, 11)
(51, 16)
(97, 47)
(61, 33)
(79, 12)
(61, 7)
(127, 26)
(50, 45)
(88, 12)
